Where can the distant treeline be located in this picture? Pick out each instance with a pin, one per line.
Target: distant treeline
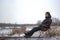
(55, 22)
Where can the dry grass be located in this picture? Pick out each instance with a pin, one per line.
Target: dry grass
(18, 30)
(54, 31)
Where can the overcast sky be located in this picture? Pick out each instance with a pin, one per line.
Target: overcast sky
(27, 11)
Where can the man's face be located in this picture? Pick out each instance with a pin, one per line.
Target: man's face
(46, 15)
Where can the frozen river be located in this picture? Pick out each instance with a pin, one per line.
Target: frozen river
(18, 38)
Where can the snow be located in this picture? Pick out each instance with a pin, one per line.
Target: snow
(4, 32)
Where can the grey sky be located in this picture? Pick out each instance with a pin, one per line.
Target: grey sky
(27, 11)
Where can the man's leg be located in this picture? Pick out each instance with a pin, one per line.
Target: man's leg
(30, 33)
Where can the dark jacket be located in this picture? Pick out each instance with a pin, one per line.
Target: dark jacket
(46, 23)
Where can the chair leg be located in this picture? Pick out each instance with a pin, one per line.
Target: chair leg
(39, 35)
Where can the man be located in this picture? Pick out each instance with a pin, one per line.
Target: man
(44, 26)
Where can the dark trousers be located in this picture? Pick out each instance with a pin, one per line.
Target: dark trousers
(30, 33)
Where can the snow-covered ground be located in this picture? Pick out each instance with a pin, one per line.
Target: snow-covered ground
(4, 32)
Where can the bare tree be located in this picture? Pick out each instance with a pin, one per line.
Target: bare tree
(55, 21)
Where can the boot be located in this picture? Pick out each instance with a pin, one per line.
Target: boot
(28, 34)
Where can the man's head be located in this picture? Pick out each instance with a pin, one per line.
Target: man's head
(47, 15)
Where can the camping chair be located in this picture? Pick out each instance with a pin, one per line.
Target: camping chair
(45, 31)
